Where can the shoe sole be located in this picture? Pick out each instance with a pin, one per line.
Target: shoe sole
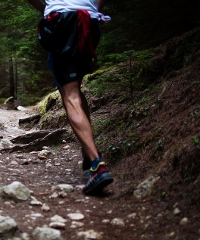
(104, 180)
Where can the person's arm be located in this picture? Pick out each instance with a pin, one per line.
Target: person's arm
(101, 3)
(39, 5)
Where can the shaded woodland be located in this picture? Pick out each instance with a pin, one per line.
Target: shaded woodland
(135, 26)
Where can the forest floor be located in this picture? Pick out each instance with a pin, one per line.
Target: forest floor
(115, 214)
(163, 121)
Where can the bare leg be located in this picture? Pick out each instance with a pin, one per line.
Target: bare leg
(77, 111)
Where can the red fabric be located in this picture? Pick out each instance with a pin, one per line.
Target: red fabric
(85, 40)
(50, 17)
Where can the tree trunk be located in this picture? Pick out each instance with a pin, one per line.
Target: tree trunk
(11, 78)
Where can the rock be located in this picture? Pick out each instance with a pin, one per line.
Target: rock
(35, 202)
(66, 147)
(63, 187)
(45, 207)
(76, 224)
(5, 143)
(90, 234)
(44, 152)
(46, 233)
(105, 221)
(144, 188)
(75, 216)
(25, 236)
(16, 191)
(42, 157)
(132, 215)
(79, 187)
(34, 216)
(170, 235)
(58, 218)
(117, 221)
(8, 226)
(14, 163)
(62, 194)
(54, 195)
(57, 225)
(20, 108)
(184, 221)
(176, 211)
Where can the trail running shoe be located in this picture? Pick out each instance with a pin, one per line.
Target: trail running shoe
(98, 179)
(86, 161)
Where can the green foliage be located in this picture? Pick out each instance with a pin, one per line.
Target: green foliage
(2, 100)
(195, 140)
(130, 66)
(18, 41)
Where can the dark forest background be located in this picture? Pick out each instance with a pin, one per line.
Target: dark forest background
(135, 26)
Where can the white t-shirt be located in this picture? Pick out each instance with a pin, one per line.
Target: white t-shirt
(72, 5)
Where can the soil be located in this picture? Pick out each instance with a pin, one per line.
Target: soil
(154, 217)
(168, 148)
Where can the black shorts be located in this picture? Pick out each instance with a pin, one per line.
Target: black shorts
(67, 68)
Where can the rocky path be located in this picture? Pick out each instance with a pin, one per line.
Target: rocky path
(41, 198)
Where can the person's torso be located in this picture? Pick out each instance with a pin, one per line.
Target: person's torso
(71, 5)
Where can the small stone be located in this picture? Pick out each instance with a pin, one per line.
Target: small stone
(44, 152)
(35, 215)
(75, 216)
(46, 233)
(63, 187)
(76, 224)
(62, 194)
(48, 165)
(105, 221)
(33, 153)
(25, 236)
(45, 207)
(117, 221)
(184, 221)
(45, 148)
(91, 234)
(54, 195)
(57, 164)
(58, 218)
(35, 202)
(132, 215)
(172, 234)
(176, 211)
(13, 163)
(57, 225)
(66, 147)
(42, 157)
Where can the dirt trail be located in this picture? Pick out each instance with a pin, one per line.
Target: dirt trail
(9, 122)
(115, 214)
